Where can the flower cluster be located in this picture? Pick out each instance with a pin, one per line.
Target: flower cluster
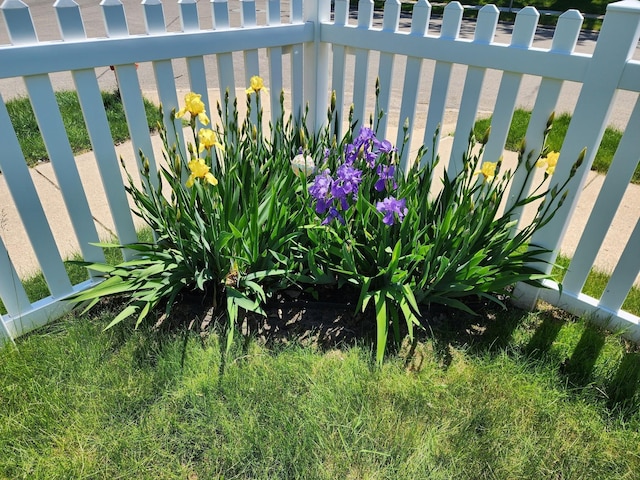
(206, 139)
(549, 162)
(195, 107)
(365, 156)
(488, 171)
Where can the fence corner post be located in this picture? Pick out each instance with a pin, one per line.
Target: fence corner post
(316, 65)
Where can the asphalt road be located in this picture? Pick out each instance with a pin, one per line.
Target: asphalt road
(47, 29)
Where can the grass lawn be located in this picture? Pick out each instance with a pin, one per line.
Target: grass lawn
(26, 126)
(506, 395)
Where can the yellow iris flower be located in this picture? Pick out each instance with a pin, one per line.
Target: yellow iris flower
(199, 169)
(488, 170)
(255, 85)
(550, 162)
(195, 107)
(207, 139)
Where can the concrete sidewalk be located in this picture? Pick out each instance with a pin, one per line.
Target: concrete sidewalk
(23, 257)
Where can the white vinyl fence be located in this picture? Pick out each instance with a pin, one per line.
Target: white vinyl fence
(310, 48)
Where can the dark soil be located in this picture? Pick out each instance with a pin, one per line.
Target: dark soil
(328, 319)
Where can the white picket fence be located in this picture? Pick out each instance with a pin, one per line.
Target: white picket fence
(311, 50)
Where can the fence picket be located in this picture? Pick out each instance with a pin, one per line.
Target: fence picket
(624, 274)
(25, 197)
(616, 44)
(522, 38)
(297, 63)
(195, 65)
(19, 22)
(163, 71)
(365, 19)
(12, 292)
(341, 16)
(251, 63)
(419, 25)
(451, 23)
(72, 28)
(385, 69)
(564, 41)
(54, 135)
(485, 30)
(615, 184)
(226, 78)
(129, 87)
(274, 56)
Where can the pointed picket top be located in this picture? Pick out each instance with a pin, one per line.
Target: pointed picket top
(365, 13)
(567, 31)
(114, 18)
(391, 16)
(247, 13)
(220, 14)
(420, 18)
(19, 23)
(273, 12)
(486, 25)
(630, 6)
(154, 16)
(65, 4)
(297, 12)
(524, 28)
(70, 20)
(341, 14)
(12, 4)
(189, 15)
(451, 21)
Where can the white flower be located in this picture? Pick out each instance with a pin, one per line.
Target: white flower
(303, 163)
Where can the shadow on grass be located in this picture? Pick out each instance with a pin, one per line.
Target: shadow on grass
(490, 331)
(623, 387)
(583, 359)
(589, 361)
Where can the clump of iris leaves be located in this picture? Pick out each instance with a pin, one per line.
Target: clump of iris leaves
(348, 217)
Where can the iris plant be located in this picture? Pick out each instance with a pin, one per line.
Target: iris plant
(366, 155)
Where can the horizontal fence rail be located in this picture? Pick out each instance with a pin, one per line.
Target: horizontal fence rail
(310, 49)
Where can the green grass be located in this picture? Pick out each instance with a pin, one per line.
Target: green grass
(518, 130)
(28, 133)
(508, 394)
(533, 396)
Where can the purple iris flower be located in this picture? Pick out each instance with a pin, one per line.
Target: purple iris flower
(350, 154)
(346, 184)
(320, 189)
(349, 178)
(385, 146)
(385, 172)
(389, 206)
(365, 135)
(333, 214)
